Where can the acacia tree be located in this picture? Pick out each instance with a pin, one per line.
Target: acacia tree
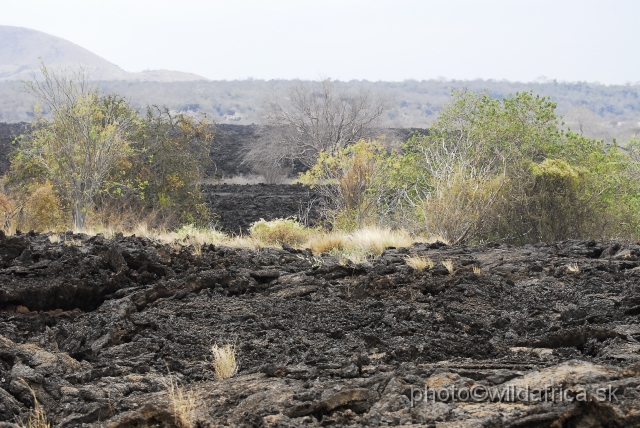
(85, 135)
(316, 117)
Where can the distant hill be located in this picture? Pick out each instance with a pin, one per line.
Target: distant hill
(21, 50)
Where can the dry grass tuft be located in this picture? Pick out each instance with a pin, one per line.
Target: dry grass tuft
(191, 235)
(224, 360)
(356, 247)
(72, 242)
(374, 240)
(573, 268)
(326, 242)
(353, 255)
(279, 231)
(184, 403)
(245, 242)
(449, 265)
(38, 417)
(476, 270)
(420, 263)
(54, 238)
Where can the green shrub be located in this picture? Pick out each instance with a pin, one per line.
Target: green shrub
(279, 231)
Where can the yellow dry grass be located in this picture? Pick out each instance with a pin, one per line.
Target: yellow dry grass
(353, 255)
(184, 403)
(224, 360)
(38, 417)
(419, 263)
(357, 247)
(374, 240)
(573, 268)
(476, 270)
(326, 242)
(449, 265)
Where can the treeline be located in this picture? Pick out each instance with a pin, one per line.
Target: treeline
(598, 111)
(487, 169)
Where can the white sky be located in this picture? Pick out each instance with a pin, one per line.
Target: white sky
(572, 40)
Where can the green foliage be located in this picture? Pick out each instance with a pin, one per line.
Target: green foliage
(490, 169)
(101, 156)
(355, 179)
(168, 159)
(78, 146)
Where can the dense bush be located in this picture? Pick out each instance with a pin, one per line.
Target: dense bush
(94, 161)
(489, 169)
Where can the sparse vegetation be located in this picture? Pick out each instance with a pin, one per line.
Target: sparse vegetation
(573, 268)
(489, 169)
(224, 360)
(314, 117)
(449, 265)
(183, 402)
(326, 242)
(419, 263)
(37, 417)
(353, 255)
(279, 231)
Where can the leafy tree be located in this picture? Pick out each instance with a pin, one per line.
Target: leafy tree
(78, 146)
(101, 155)
(475, 147)
(490, 169)
(170, 154)
(353, 179)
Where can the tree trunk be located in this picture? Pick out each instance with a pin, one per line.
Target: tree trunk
(79, 214)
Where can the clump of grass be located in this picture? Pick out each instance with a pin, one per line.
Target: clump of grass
(279, 231)
(198, 236)
(430, 239)
(54, 238)
(419, 263)
(476, 270)
(449, 265)
(245, 242)
(72, 242)
(38, 416)
(183, 403)
(224, 360)
(374, 240)
(353, 255)
(327, 242)
(360, 245)
(573, 268)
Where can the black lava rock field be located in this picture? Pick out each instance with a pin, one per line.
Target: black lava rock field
(536, 336)
(237, 206)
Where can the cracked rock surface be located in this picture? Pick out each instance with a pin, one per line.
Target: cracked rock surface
(96, 328)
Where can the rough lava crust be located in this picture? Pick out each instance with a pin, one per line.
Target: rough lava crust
(94, 326)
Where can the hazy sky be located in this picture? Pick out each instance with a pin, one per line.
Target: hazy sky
(574, 40)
